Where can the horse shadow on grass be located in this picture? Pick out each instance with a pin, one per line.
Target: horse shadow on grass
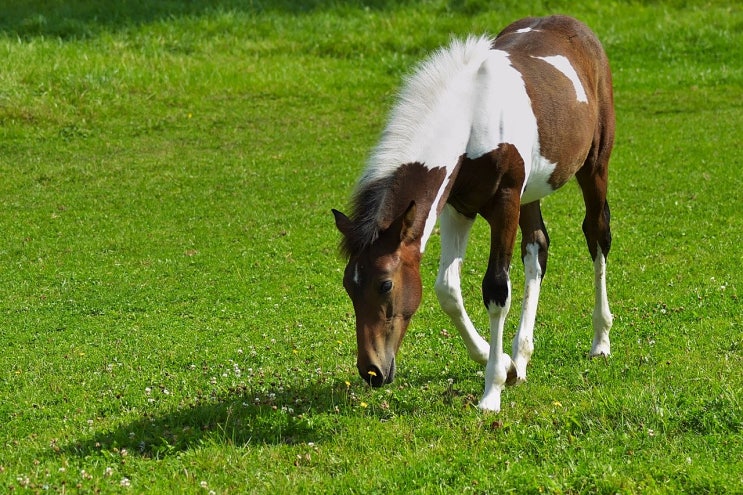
(240, 417)
(237, 417)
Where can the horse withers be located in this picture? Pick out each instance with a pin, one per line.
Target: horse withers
(489, 127)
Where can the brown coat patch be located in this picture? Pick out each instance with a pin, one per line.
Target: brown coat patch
(377, 204)
(567, 127)
(478, 180)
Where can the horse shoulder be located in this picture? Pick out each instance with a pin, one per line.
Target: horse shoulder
(502, 113)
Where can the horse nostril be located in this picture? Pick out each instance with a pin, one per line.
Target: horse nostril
(373, 376)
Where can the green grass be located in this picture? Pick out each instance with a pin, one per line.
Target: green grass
(171, 311)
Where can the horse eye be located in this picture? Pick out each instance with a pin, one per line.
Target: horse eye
(385, 287)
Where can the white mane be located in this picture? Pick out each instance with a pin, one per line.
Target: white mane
(430, 121)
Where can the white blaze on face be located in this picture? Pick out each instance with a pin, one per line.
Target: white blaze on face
(562, 64)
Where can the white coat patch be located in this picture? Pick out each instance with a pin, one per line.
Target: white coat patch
(537, 183)
(562, 64)
(503, 112)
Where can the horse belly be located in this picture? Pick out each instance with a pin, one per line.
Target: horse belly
(538, 183)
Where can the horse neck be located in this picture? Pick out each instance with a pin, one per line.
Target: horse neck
(430, 161)
(423, 185)
(428, 133)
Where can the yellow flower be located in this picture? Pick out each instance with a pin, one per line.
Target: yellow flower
(371, 373)
(363, 404)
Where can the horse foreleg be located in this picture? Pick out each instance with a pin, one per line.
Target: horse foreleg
(455, 229)
(502, 213)
(499, 365)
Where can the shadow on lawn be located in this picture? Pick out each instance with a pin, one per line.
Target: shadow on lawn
(75, 19)
(241, 417)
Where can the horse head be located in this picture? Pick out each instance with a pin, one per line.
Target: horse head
(384, 284)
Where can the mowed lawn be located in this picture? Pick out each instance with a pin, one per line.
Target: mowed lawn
(172, 318)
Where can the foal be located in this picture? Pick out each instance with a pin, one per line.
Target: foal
(489, 127)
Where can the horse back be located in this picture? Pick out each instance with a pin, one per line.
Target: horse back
(567, 77)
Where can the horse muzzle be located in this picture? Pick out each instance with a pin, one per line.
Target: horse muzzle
(376, 376)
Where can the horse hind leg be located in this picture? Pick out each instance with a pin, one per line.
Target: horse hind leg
(597, 230)
(455, 229)
(602, 317)
(534, 248)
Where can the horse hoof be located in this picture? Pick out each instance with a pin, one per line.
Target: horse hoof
(513, 377)
(490, 404)
(602, 350)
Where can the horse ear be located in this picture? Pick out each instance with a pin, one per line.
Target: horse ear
(407, 234)
(342, 222)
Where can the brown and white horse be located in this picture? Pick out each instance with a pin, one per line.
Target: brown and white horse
(489, 127)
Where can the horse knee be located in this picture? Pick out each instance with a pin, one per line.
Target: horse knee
(534, 257)
(448, 296)
(496, 290)
(597, 230)
(536, 245)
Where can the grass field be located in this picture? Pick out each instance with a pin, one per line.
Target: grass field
(172, 318)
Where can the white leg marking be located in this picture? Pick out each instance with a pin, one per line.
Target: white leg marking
(455, 229)
(523, 342)
(499, 363)
(602, 318)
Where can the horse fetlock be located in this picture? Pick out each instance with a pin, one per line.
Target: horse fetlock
(523, 349)
(497, 370)
(601, 346)
(496, 378)
(517, 373)
(602, 320)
